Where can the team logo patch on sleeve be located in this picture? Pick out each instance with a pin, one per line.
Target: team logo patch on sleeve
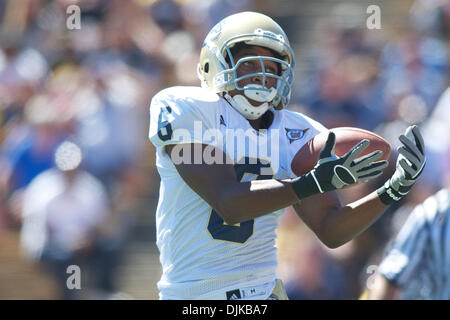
(295, 134)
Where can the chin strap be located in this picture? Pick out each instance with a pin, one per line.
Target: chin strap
(241, 104)
(244, 107)
(253, 92)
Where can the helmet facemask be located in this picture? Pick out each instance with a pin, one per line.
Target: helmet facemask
(221, 72)
(228, 80)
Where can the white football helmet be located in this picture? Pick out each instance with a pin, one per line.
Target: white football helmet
(220, 76)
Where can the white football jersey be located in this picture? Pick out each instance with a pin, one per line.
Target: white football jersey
(201, 256)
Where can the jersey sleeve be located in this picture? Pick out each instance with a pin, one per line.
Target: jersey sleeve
(407, 250)
(178, 119)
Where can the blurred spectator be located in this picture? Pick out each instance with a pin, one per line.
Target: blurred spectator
(438, 147)
(27, 151)
(431, 17)
(64, 209)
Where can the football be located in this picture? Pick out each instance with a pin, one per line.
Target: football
(346, 137)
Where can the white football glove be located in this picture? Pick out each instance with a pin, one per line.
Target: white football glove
(410, 164)
(332, 172)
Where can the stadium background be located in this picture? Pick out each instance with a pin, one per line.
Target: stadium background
(94, 85)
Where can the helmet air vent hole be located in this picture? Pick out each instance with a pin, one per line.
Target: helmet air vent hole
(206, 67)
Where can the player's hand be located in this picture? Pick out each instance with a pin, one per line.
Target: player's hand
(332, 172)
(410, 164)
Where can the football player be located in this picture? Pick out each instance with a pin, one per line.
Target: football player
(224, 153)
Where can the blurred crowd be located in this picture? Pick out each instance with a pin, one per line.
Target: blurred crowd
(75, 162)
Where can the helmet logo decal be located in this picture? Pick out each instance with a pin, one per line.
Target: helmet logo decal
(213, 34)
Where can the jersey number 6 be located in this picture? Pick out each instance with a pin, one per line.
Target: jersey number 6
(241, 232)
(164, 127)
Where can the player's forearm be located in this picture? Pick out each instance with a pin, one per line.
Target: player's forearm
(347, 222)
(249, 200)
